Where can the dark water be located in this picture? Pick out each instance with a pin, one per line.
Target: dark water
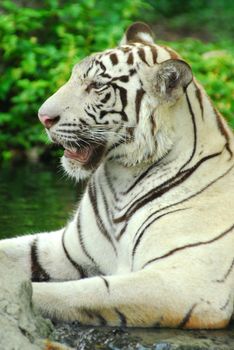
(35, 198)
(101, 338)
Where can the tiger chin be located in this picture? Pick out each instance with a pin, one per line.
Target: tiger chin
(151, 242)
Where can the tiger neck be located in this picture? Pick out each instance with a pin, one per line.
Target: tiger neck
(199, 133)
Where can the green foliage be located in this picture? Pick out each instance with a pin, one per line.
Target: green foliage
(213, 17)
(39, 43)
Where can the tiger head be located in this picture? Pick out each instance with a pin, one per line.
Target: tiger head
(115, 105)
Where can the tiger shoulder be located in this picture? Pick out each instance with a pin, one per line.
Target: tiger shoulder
(151, 243)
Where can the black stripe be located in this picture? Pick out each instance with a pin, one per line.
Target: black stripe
(229, 298)
(199, 97)
(147, 226)
(100, 224)
(89, 69)
(139, 95)
(103, 113)
(187, 317)
(68, 131)
(81, 240)
(114, 146)
(107, 208)
(173, 54)
(83, 122)
(227, 273)
(190, 197)
(141, 177)
(76, 266)
(123, 97)
(155, 164)
(38, 273)
(101, 90)
(132, 72)
(187, 198)
(223, 131)
(100, 93)
(87, 313)
(68, 124)
(130, 59)
(106, 283)
(69, 137)
(191, 245)
(110, 185)
(125, 49)
(105, 75)
(153, 125)
(92, 314)
(122, 318)
(106, 98)
(141, 54)
(176, 180)
(114, 59)
(101, 319)
(102, 67)
(91, 115)
(121, 232)
(94, 108)
(123, 78)
(194, 130)
(154, 54)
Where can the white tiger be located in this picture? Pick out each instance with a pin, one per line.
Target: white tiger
(152, 241)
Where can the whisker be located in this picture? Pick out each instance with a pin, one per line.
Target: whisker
(96, 134)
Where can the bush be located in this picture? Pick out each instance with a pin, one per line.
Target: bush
(214, 17)
(39, 44)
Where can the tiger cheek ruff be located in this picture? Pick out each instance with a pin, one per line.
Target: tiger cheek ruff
(152, 241)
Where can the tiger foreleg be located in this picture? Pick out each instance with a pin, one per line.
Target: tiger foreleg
(44, 256)
(144, 299)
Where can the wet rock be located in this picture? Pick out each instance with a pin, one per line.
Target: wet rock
(20, 327)
(87, 338)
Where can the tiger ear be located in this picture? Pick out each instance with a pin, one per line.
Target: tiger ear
(172, 75)
(138, 32)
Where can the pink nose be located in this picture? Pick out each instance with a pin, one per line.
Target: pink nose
(48, 121)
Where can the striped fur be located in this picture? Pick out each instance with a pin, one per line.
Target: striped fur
(152, 241)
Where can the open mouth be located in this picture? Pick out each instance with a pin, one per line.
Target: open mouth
(87, 155)
(82, 155)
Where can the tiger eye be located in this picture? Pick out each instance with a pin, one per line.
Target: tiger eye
(94, 85)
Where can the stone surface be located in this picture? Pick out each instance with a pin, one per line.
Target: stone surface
(20, 327)
(87, 338)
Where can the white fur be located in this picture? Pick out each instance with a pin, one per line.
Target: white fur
(180, 272)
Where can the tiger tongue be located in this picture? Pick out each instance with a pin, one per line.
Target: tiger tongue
(81, 155)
